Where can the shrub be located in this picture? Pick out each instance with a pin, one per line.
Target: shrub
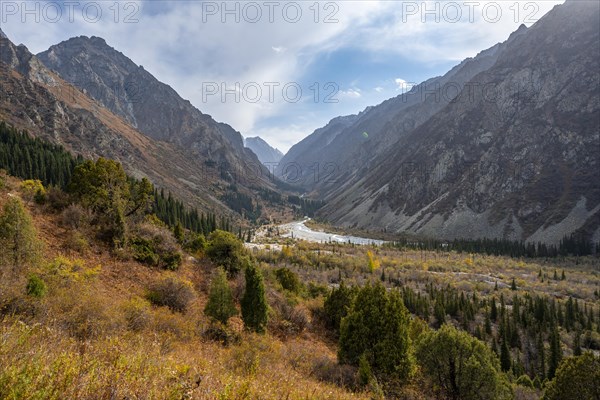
(288, 280)
(75, 216)
(90, 318)
(33, 189)
(57, 199)
(225, 250)
(220, 333)
(327, 370)
(137, 314)
(36, 287)
(288, 319)
(155, 246)
(171, 292)
(196, 244)
(77, 242)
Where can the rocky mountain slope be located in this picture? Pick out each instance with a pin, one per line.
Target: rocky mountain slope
(267, 155)
(39, 100)
(515, 155)
(150, 106)
(348, 147)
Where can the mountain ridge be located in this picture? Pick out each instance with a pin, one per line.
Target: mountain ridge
(518, 167)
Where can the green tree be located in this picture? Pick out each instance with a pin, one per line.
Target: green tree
(102, 186)
(555, 351)
(18, 237)
(226, 250)
(377, 326)
(220, 305)
(255, 310)
(461, 366)
(576, 378)
(505, 361)
(337, 304)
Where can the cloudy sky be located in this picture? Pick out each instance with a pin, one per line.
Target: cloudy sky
(279, 69)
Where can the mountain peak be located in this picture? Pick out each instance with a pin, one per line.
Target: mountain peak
(265, 152)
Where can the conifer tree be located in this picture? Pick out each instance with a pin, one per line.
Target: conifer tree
(220, 305)
(254, 303)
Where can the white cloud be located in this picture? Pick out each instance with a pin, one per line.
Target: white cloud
(402, 85)
(349, 94)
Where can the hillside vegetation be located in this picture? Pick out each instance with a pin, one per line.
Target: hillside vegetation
(107, 292)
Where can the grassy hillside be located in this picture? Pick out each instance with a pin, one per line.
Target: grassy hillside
(94, 334)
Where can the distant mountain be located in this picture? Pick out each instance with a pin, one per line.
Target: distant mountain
(347, 148)
(265, 153)
(516, 154)
(37, 99)
(150, 106)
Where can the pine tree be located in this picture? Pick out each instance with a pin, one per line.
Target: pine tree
(178, 232)
(254, 303)
(555, 351)
(541, 356)
(577, 343)
(220, 305)
(494, 310)
(505, 361)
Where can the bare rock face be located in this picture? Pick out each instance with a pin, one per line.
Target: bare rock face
(348, 147)
(152, 107)
(515, 154)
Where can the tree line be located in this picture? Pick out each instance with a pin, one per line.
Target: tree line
(26, 157)
(570, 245)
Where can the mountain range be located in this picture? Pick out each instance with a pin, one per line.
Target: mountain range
(93, 100)
(505, 145)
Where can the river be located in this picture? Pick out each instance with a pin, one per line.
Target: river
(299, 230)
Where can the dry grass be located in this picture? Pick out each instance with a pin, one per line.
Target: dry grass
(94, 336)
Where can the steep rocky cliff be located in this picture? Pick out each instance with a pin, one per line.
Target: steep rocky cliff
(150, 106)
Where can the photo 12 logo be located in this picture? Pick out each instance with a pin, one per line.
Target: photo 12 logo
(457, 11)
(269, 11)
(255, 92)
(126, 12)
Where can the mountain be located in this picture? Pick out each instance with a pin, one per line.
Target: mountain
(349, 146)
(39, 100)
(266, 154)
(515, 155)
(150, 106)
